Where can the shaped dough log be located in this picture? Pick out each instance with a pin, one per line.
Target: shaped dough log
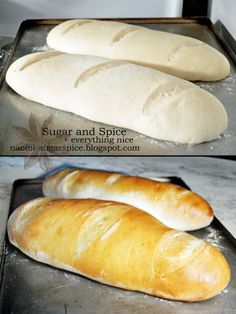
(118, 245)
(183, 56)
(120, 94)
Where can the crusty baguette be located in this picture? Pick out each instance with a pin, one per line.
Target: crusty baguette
(119, 245)
(121, 94)
(178, 55)
(174, 206)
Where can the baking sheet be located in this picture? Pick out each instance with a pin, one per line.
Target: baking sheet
(15, 110)
(30, 287)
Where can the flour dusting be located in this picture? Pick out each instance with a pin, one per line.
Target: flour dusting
(215, 237)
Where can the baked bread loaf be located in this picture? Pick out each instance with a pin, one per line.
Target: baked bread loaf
(183, 56)
(174, 206)
(118, 245)
(121, 94)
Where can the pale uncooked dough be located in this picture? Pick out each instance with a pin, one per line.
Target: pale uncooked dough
(183, 56)
(120, 94)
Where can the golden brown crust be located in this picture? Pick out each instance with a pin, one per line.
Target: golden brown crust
(119, 245)
(176, 207)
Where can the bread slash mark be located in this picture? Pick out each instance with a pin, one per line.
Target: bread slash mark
(98, 224)
(84, 76)
(76, 24)
(164, 92)
(185, 45)
(114, 178)
(40, 57)
(121, 34)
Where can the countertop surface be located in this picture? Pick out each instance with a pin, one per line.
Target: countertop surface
(214, 179)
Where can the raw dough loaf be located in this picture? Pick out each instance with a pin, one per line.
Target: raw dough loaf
(178, 55)
(120, 94)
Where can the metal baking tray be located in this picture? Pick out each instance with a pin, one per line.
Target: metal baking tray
(30, 287)
(15, 110)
